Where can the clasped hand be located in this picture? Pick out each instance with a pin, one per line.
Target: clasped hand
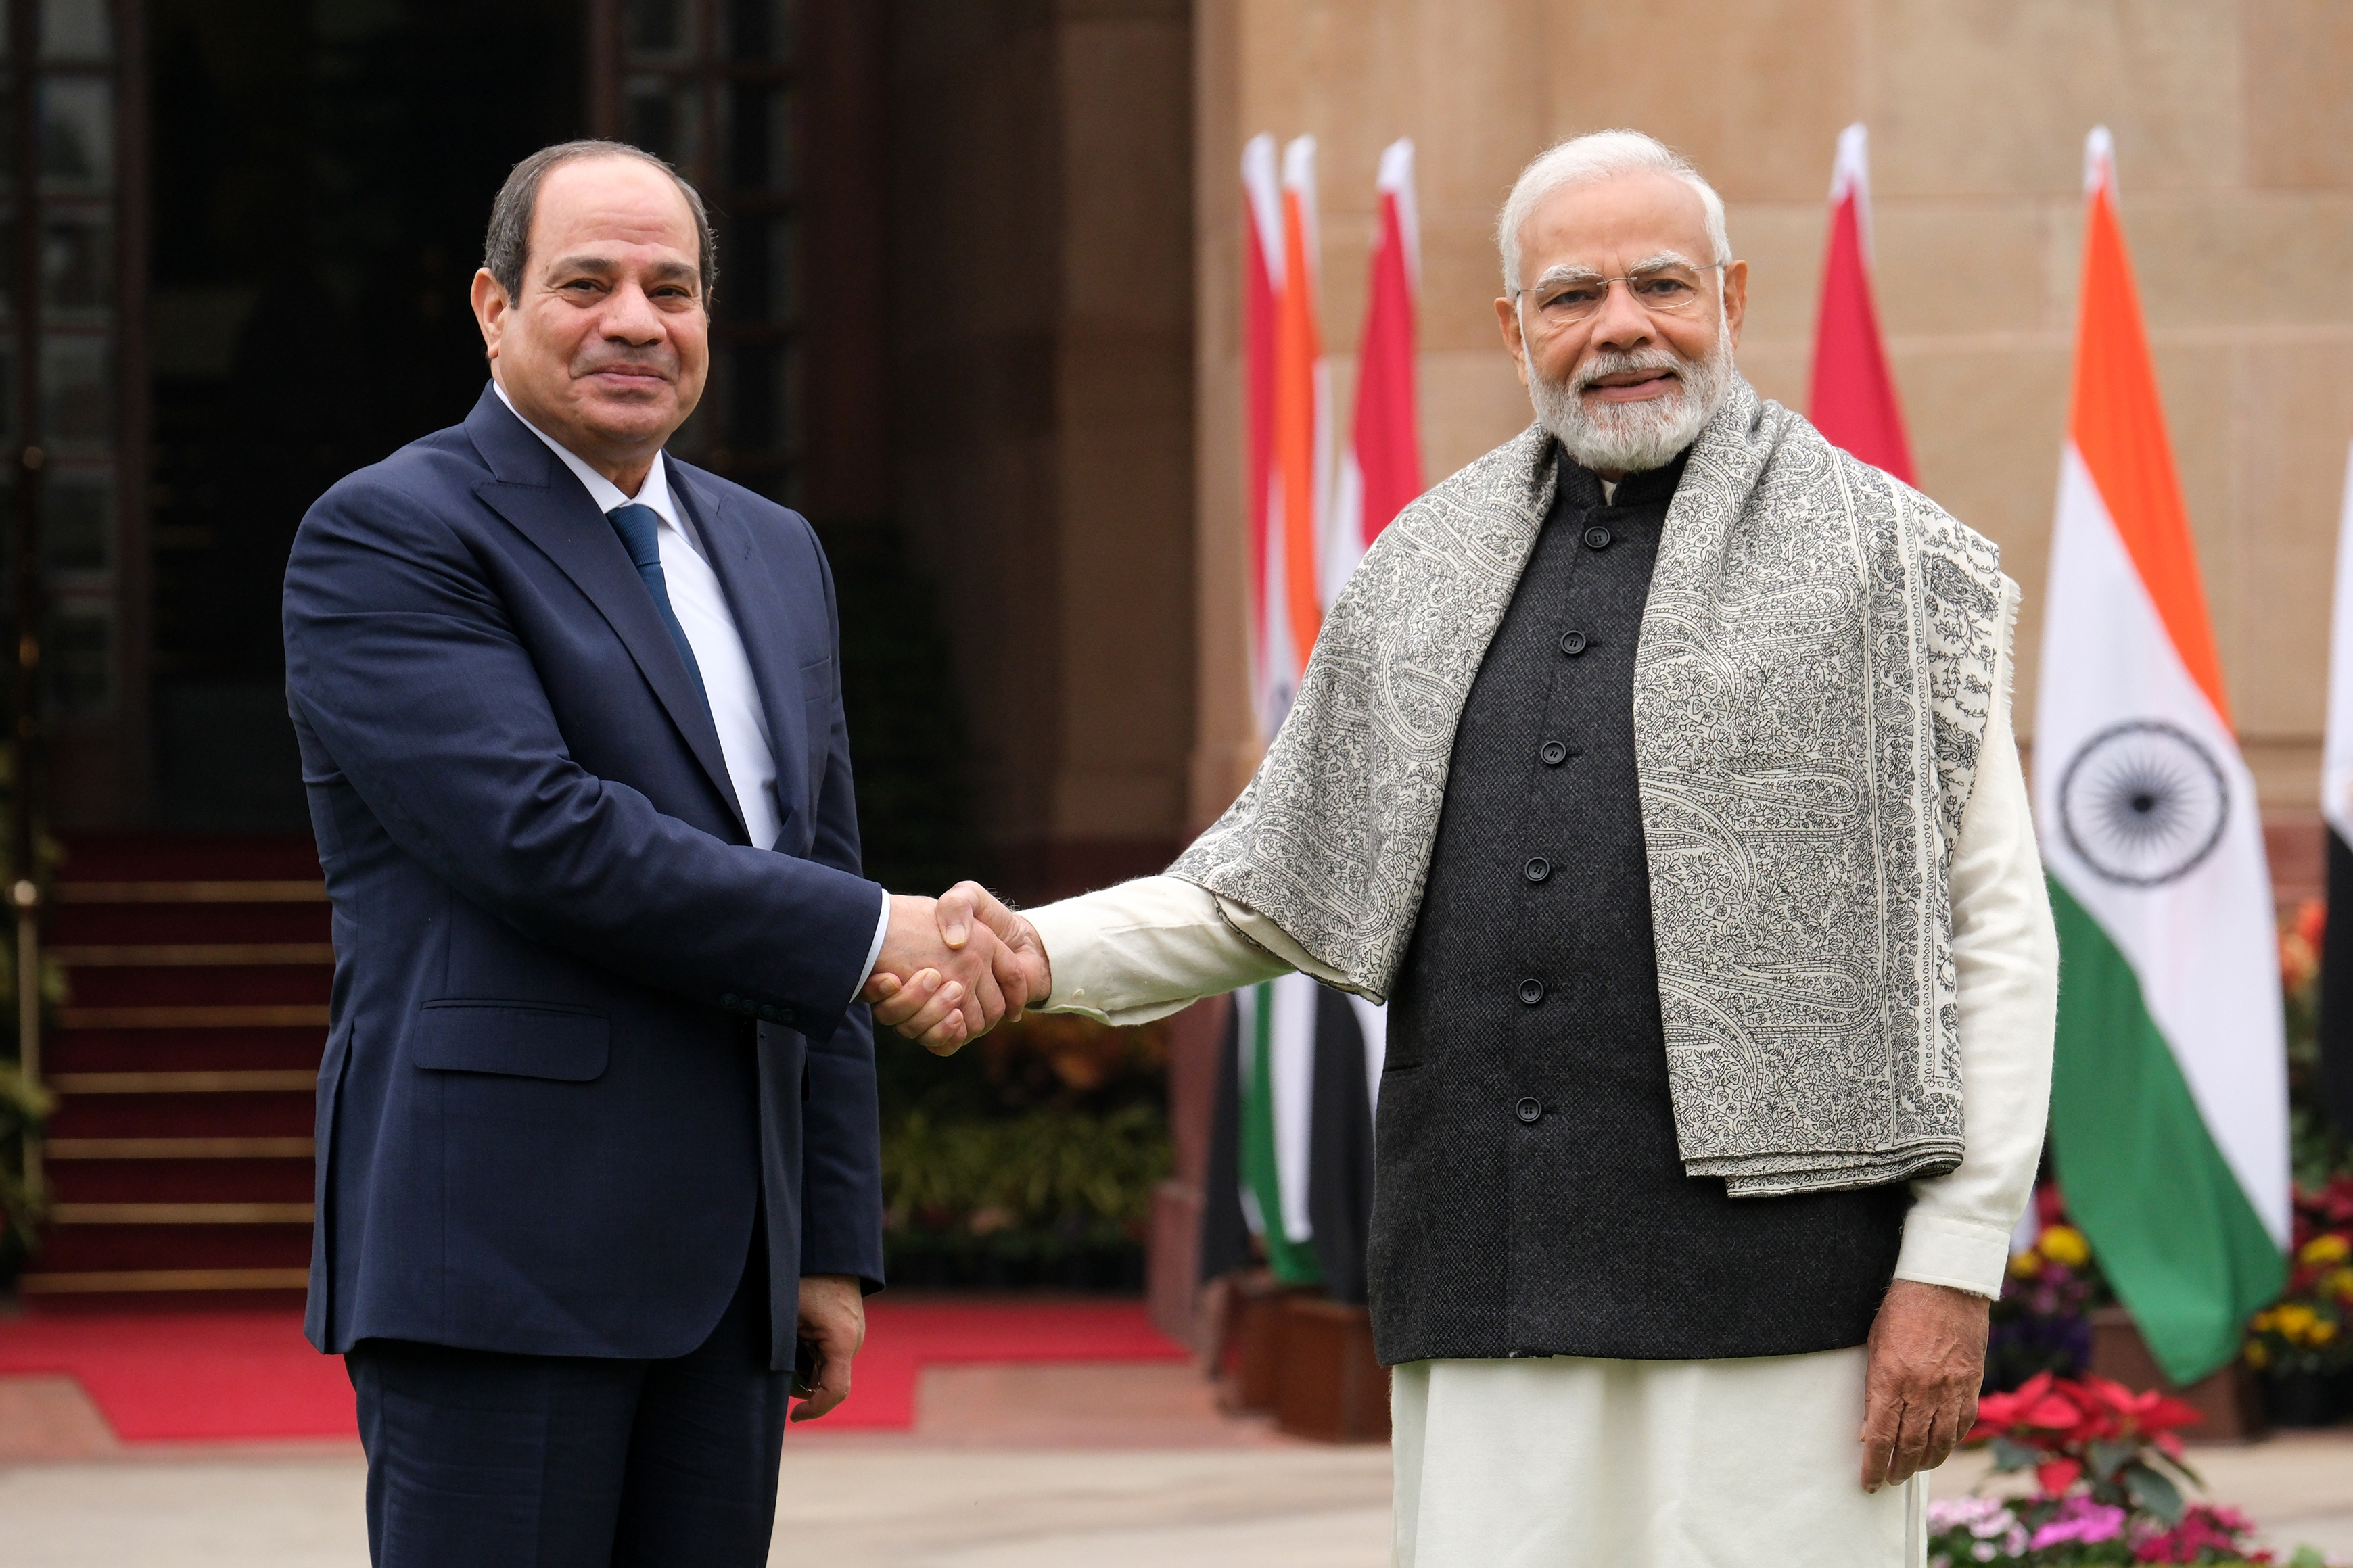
(951, 967)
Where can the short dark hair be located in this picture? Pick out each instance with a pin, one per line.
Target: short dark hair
(507, 246)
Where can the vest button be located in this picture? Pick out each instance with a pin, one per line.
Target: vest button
(1554, 753)
(1573, 644)
(1536, 869)
(731, 1001)
(1529, 1110)
(1532, 992)
(1597, 537)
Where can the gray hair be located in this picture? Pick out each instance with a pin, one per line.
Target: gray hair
(506, 248)
(1589, 160)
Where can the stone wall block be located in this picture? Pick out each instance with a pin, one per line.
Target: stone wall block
(2299, 114)
(1994, 97)
(1707, 78)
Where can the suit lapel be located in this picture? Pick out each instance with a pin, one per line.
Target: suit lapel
(751, 598)
(546, 505)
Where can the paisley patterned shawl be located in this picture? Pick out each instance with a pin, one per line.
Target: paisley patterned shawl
(1814, 678)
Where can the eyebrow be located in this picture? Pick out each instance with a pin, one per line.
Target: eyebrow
(1567, 273)
(603, 265)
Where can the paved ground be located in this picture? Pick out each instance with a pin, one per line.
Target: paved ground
(1009, 1468)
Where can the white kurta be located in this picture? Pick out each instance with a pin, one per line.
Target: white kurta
(1574, 1462)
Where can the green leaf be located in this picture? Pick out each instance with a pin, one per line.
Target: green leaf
(2011, 1455)
(2108, 1457)
(2152, 1490)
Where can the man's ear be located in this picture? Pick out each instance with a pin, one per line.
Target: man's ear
(1735, 299)
(490, 305)
(1507, 317)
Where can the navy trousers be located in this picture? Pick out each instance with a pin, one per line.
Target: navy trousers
(480, 1457)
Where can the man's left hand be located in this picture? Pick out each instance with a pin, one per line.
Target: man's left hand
(1920, 1395)
(833, 1319)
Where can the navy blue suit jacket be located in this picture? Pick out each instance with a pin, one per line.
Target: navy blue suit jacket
(582, 1030)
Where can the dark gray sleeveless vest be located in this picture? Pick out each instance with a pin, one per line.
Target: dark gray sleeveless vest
(1528, 1195)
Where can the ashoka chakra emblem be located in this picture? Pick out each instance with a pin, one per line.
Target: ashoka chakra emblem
(2143, 802)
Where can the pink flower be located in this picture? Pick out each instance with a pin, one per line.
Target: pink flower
(2081, 1519)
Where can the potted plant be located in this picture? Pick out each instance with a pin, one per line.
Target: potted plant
(2041, 1322)
(2303, 1344)
(23, 1105)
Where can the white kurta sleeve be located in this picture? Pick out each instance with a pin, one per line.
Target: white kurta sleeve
(2006, 950)
(1145, 948)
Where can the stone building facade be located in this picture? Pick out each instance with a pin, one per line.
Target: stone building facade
(2234, 144)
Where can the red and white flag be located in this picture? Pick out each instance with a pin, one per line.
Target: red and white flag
(1852, 399)
(1381, 470)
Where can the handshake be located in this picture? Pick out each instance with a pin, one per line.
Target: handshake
(951, 967)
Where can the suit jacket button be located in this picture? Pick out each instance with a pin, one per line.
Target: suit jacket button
(1529, 1110)
(1532, 992)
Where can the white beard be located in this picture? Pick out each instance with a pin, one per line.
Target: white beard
(1633, 437)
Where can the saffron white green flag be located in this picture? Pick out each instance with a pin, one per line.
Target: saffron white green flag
(2170, 1101)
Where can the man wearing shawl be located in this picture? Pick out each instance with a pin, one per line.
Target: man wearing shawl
(1657, 769)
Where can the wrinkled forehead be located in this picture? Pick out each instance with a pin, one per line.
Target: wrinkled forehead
(1607, 227)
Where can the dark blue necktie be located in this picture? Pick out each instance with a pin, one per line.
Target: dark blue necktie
(641, 531)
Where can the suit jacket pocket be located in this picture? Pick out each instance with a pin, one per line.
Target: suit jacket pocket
(518, 1039)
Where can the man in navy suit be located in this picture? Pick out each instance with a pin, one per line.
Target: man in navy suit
(596, 1118)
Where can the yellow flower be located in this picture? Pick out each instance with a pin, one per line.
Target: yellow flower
(2264, 1322)
(2337, 1282)
(2065, 1244)
(2258, 1356)
(2324, 1249)
(2024, 1266)
(2323, 1331)
(2295, 1322)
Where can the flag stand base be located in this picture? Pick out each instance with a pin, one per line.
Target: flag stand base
(1330, 1387)
(2229, 1398)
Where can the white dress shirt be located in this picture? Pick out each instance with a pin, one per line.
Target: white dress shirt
(701, 606)
(1145, 948)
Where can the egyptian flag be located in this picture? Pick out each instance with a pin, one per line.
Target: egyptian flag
(2168, 1110)
(2337, 811)
(1852, 399)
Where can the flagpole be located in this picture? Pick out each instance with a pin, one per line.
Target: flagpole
(24, 887)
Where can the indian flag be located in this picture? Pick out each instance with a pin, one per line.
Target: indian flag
(2169, 1103)
(1288, 409)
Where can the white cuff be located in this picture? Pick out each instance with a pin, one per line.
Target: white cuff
(874, 953)
(1960, 1253)
(1144, 949)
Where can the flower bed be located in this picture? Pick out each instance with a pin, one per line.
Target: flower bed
(2041, 1322)
(2303, 1344)
(2107, 1473)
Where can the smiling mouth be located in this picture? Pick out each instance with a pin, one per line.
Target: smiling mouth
(1627, 386)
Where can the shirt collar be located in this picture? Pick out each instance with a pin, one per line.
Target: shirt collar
(654, 492)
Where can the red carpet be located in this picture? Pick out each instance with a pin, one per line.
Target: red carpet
(205, 1376)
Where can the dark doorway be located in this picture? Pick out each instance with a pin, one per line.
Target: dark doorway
(321, 171)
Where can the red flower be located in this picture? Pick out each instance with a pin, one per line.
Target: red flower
(2056, 1476)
